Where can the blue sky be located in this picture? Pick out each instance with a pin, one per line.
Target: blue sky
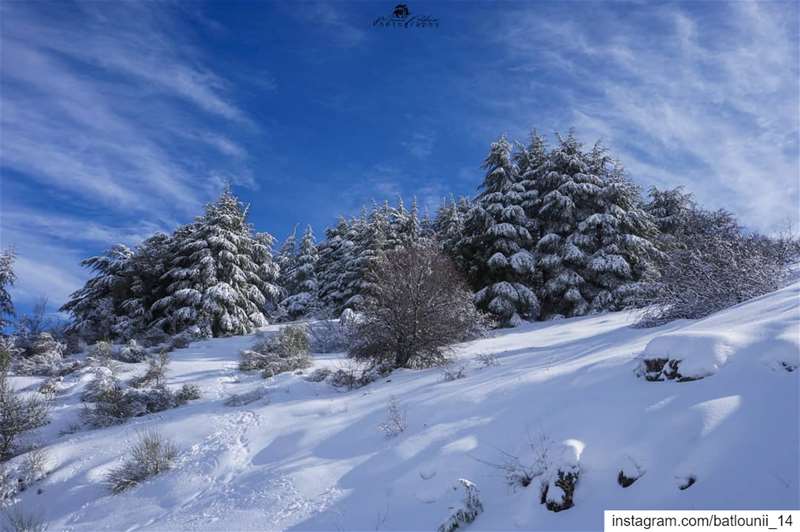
(119, 119)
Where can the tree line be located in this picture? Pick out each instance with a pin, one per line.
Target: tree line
(554, 231)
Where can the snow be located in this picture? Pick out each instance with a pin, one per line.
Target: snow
(306, 456)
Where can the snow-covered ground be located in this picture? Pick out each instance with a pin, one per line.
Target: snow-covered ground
(311, 457)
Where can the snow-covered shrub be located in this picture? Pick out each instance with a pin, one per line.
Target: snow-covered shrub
(451, 372)
(710, 264)
(18, 413)
(187, 392)
(18, 520)
(287, 350)
(487, 360)
(247, 397)
(396, 421)
(352, 374)
(156, 372)
(33, 469)
(110, 404)
(150, 455)
(418, 305)
(318, 375)
(44, 357)
(562, 477)
(329, 336)
(50, 387)
(101, 354)
(466, 511)
(131, 352)
(532, 462)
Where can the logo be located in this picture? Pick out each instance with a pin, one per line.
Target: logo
(402, 18)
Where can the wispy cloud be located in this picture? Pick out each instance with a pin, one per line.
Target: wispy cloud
(715, 109)
(104, 106)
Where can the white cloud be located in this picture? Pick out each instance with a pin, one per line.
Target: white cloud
(713, 108)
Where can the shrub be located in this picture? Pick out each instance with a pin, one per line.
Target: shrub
(487, 360)
(329, 336)
(319, 375)
(17, 520)
(132, 352)
(417, 306)
(396, 421)
(288, 350)
(156, 372)
(18, 413)
(709, 264)
(352, 374)
(451, 372)
(150, 455)
(44, 357)
(468, 509)
(246, 398)
(188, 392)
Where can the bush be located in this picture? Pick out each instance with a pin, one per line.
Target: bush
(246, 398)
(156, 372)
(452, 373)
(319, 375)
(709, 264)
(329, 336)
(44, 357)
(132, 353)
(18, 413)
(418, 305)
(17, 520)
(352, 374)
(468, 509)
(396, 422)
(288, 350)
(151, 455)
(113, 402)
(188, 392)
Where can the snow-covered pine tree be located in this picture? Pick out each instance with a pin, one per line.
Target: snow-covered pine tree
(221, 277)
(7, 279)
(449, 227)
(96, 308)
(148, 263)
(287, 256)
(303, 285)
(595, 235)
(369, 243)
(496, 241)
(333, 257)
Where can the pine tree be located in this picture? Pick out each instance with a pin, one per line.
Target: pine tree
(148, 263)
(7, 279)
(221, 277)
(303, 286)
(287, 256)
(96, 308)
(595, 233)
(496, 241)
(333, 256)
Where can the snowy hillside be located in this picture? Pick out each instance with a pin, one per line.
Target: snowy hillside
(310, 457)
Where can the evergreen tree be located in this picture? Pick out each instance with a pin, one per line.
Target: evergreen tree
(303, 286)
(96, 308)
(595, 233)
(148, 263)
(219, 279)
(7, 279)
(331, 265)
(286, 259)
(496, 239)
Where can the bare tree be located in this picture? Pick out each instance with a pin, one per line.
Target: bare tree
(418, 305)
